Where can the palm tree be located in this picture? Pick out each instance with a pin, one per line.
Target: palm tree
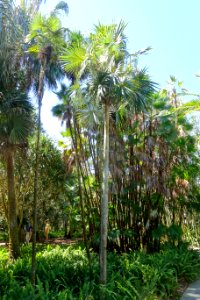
(107, 85)
(46, 38)
(15, 108)
(15, 126)
(108, 80)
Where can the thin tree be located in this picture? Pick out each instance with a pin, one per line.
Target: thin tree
(46, 38)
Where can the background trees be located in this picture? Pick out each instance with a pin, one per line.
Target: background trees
(52, 189)
(127, 174)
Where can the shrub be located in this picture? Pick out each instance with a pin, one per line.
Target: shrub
(64, 273)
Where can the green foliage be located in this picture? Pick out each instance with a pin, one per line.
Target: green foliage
(3, 256)
(52, 183)
(64, 273)
(3, 236)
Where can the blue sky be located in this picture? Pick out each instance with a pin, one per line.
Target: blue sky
(170, 27)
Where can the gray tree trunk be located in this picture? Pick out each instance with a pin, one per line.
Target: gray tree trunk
(36, 173)
(14, 246)
(104, 199)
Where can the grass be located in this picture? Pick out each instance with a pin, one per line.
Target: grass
(64, 273)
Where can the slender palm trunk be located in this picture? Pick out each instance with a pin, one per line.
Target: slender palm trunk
(36, 173)
(14, 247)
(78, 166)
(104, 199)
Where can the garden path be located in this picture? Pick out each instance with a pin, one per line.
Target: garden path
(55, 241)
(192, 292)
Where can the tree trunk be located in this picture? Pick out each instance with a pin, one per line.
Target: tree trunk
(36, 173)
(14, 247)
(78, 167)
(104, 199)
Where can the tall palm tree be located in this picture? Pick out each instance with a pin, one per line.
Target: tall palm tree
(15, 126)
(107, 85)
(46, 39)
(108, 80)
(15, 108)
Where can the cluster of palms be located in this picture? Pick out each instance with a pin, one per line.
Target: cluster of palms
(137, 183)
(103, 79)
(116, 121)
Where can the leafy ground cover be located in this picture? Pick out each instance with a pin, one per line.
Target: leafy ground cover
(64, 273)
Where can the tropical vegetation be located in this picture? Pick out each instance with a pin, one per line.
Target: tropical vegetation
(122, 184)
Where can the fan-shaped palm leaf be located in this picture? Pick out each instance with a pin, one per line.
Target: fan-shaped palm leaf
(61, 6)
(15, 121)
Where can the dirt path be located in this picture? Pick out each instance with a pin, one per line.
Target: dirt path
(62, 241)
(56, 241)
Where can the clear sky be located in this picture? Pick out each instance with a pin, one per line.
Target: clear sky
(170, 27)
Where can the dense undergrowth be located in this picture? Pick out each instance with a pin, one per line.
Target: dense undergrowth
(64, 273)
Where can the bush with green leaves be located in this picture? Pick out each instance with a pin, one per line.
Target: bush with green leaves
(64, 273)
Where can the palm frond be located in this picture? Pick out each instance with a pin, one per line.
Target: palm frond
(61, 6)
(16, 118)
(189, 107)
(73, 58)
(58, 110)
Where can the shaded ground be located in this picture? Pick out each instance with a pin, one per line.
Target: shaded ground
(54, 241)
(62, 241)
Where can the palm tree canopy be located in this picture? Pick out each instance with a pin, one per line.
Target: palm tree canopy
(10, 38)
(61, 6)
(16, 120)
(45, 41)
(46, 31)
(106, 68)
(31, 6)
